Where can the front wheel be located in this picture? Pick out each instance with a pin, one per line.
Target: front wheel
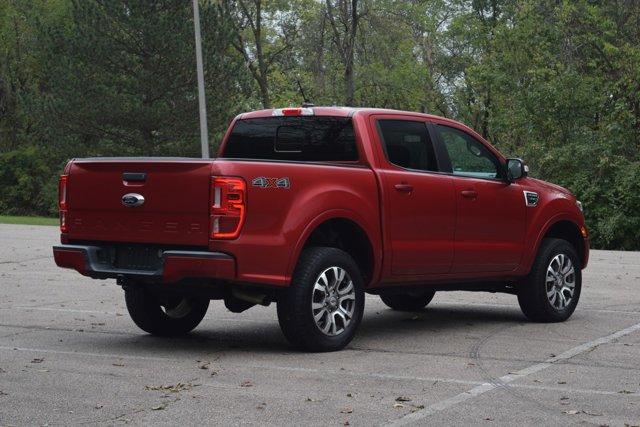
(323, 306)
(165, 315)
(551, 291)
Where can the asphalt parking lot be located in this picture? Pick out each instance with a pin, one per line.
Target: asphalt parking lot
(69, 354)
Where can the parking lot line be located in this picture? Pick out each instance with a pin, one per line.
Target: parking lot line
(442, 305)
(419, 416)
(113, 313)
(481, 387)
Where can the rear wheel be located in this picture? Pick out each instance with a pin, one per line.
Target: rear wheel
(166, 315)
(322, 308)
(408, 302)
(551, 291)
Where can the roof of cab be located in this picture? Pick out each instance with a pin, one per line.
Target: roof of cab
(338, 111)
(334, 111)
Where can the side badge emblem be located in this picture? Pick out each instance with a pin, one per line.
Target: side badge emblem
(530, 198)
(132, 200)
(264, 182)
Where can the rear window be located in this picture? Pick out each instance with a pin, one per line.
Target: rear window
(306, 138)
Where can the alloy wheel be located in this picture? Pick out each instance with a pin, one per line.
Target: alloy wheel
(560, 281)
(333, 301)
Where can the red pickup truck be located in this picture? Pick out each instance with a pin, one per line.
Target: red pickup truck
(312, 207)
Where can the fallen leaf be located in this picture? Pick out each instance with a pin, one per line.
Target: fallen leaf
(172, 388)
(246, 383)
(159, 407)
(398, 405)
(402, 399)
(37, 360)
(346, 410)
(310, 399)
(488, 419)
(205, 365)
(564, 398)
(118, 364)
(562, 382)
(572, 412)
(99, 406)
(625, 392)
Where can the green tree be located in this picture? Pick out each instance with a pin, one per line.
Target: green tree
(264, 33)
(122, 77)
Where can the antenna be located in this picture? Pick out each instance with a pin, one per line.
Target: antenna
(306, 102)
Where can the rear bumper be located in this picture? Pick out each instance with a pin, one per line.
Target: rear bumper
(175, 266)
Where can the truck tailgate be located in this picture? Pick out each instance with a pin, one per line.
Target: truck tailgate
(175, 208)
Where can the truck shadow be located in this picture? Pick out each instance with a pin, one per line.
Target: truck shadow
(381, 327)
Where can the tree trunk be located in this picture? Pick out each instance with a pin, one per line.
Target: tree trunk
(345, 42)
(264, 92)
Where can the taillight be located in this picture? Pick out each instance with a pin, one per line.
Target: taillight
(62, 202)
(228, 207)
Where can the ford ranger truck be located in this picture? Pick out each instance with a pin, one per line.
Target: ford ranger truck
(311, 208)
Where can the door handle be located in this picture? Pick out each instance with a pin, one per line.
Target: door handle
(404, 188)
(469, 194)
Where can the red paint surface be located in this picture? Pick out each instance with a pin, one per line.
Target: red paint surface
(445, 228)
(75, 260)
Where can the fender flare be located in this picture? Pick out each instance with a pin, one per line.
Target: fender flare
(530, 257)
(350, 215)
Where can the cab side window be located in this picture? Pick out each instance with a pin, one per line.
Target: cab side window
(468, 156)
(407, 144)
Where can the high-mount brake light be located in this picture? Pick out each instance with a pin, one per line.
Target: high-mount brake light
(293, 112)
(63, 205)
(228, 207)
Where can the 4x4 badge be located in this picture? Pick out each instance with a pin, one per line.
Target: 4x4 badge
(264, 182)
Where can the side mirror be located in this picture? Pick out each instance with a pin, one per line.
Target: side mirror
(516, 169)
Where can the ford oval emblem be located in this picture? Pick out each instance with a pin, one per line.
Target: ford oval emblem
(132, 200)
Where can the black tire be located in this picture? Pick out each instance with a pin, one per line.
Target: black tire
(295, 312)
(532, 291)
(408, 302)
(165, 315)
